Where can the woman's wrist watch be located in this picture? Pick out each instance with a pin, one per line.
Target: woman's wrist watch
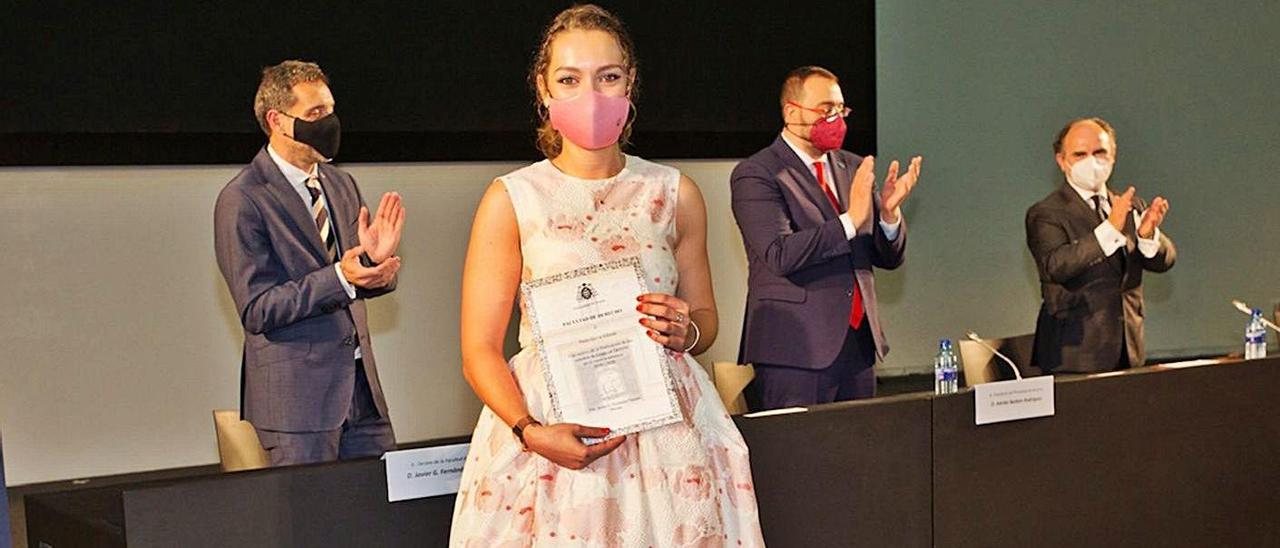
(521, 425)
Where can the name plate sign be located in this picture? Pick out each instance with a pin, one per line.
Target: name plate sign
(425, 472)
(1013, 400)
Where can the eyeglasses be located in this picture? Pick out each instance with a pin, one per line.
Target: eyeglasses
(830, 114)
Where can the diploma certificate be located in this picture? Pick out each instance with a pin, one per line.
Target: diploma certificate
(601, 368)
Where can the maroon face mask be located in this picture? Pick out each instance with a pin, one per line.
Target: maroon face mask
(827, 133)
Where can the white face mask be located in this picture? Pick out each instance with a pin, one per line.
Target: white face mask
(1090, 173)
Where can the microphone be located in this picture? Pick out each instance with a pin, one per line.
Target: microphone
(1248, 311)
(975, 338)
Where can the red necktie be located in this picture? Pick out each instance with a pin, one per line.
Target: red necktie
(855, 308)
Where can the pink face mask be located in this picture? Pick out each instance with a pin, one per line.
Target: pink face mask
(592, 120)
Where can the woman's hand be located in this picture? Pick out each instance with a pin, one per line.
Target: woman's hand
(667, 319)
(559, 443)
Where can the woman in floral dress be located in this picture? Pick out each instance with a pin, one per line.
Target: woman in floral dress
(530, 483)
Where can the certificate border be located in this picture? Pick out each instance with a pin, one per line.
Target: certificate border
(526, 291)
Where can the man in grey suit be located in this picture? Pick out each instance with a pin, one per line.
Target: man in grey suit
(1091, 246)
(300, 255)
(814, 229)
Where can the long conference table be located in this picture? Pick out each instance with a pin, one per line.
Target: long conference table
(1155, 456)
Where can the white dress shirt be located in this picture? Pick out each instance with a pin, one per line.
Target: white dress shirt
(890, 230)
(1108, 237)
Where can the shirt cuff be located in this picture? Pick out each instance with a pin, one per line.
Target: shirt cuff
(849, 230)
(891, 230)
(346, 286)
(1109, 238)
(1149, 248)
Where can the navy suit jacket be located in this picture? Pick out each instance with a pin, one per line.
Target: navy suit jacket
(1093, 304)
(300, 327)
(801, 267)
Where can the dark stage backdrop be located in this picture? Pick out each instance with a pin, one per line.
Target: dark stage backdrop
(148, 82)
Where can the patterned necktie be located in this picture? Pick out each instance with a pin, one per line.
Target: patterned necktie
(321, 215)
(1097, 207)
(1102, 216)
(855, 308)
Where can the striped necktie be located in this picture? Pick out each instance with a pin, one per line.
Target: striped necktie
(321, 215)
(1097, 207)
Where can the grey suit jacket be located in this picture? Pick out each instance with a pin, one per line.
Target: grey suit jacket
(801, 267)
(300, 327)
(1092, 303)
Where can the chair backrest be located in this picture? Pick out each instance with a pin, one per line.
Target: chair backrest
(981, 365)
(238, 444)
(730, 380)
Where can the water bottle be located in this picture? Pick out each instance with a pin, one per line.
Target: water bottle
(944, 369)
(1255, 337)
(953, 370)
(939, 368)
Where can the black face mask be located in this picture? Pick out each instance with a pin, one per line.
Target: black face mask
(324, 135)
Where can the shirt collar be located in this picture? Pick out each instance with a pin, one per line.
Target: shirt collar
(1087, 195)
(295, 176)
(804, 156)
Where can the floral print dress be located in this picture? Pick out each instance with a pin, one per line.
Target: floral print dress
(683, 484)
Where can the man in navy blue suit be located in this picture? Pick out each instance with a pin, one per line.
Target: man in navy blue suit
(814, 227)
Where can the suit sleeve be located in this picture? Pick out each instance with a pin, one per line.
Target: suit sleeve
(362, 293)
(1166, 255)
(889, 253)
(266, 298)
(1164, 258)
(1059, 258)
(767, 231)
